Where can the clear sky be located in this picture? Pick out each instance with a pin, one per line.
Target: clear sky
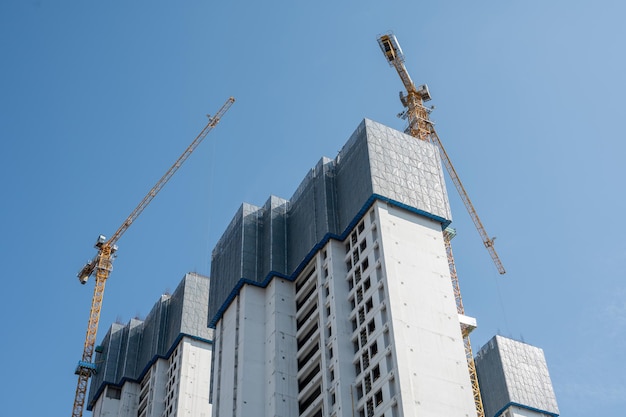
(97, 100)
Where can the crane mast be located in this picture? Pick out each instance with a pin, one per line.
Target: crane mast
(421, 127)
(102, 264)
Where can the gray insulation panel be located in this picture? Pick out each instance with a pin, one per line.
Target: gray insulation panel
(376, 161)
(514, 373)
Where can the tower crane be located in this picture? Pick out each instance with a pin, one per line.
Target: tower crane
(102, 264)
(421, 127)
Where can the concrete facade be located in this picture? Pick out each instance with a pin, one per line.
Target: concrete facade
(356, 315)
(161, 366)
(514, 380)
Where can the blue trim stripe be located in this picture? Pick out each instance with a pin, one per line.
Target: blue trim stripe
(536, 410)
(263, 284)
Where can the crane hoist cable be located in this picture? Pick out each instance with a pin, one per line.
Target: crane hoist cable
(102, 263)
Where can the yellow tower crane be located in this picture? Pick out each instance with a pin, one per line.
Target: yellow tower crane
(421, 127)
(102, 263)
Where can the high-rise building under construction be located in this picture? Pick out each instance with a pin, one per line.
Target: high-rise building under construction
(160, 366)
(338, 301)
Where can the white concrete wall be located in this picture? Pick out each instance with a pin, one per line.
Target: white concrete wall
(125, 406)
(427, 342)
(261, 342)
(194, 379)
(239, 380)
(224, 369)
(280, 348)
(156, 404)
(130, 400)
(251, 381)
(106, 407)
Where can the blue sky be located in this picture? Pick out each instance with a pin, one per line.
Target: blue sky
(97, 99)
